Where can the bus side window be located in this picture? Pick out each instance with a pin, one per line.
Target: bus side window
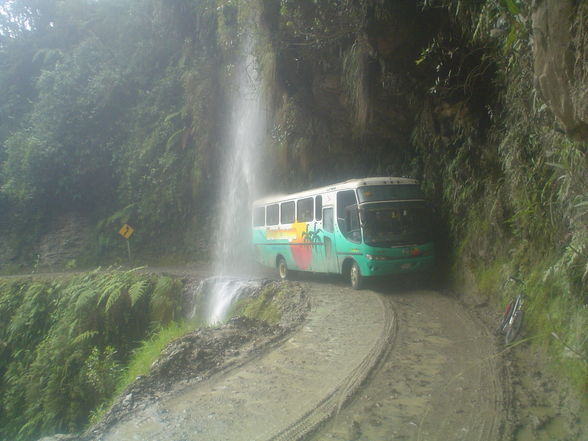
(273, 214)
(287, 213)
(318, 208)
(328, 224)
(304, 210)
(258, 216)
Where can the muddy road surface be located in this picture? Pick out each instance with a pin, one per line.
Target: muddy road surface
(380, 364)
(286, 391)
(439, 380)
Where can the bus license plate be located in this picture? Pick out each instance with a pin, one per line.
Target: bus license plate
(406, 266)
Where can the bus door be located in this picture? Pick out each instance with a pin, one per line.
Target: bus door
(331, 264)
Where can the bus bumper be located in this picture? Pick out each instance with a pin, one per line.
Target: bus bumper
(400, 266)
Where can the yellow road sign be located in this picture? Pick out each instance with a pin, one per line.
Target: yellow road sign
(126, 231)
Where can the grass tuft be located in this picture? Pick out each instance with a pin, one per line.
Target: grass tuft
(143, 358)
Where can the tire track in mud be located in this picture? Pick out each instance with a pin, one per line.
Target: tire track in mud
(442, 380)
(348, 386)
(365, 366)
(286, 392)
(479, 365)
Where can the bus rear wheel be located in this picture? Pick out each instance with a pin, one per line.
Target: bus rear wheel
(282, 268)
(355, 276)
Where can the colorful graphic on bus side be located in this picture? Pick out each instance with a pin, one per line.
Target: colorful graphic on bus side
(359, 228)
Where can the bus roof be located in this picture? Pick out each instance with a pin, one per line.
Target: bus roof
(351, 184)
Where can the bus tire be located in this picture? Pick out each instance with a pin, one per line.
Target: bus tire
(283, 272)
(355, 276)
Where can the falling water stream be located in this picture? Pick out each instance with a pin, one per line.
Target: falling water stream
(239, 186)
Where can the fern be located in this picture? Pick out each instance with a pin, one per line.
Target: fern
(113, 299)
(111, 294)
(84, 337)
(164, 299)
(172, 139)
(31, 427)
(171, 116)
(63, 344)
(86, 298)
(73, 327)
(138, 291)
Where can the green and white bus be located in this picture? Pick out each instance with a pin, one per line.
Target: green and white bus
(359, 228)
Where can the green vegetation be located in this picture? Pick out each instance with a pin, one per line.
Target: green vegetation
(141, 360)
(103, 117)
(144, 356)
(64, 344)
(264, 306)
(69, 347)
(115, 111)
(452, 98)
(513, 186)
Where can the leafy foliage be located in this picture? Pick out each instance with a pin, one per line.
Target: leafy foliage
(64, 342)
(513, 185)
(116, 109)
(262, 307)
(99, 112)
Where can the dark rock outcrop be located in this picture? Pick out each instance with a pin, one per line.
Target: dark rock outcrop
(561, 61)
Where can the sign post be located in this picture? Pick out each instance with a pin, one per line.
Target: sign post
(127, 231)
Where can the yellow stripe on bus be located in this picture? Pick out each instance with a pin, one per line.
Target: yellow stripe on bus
(289, 234)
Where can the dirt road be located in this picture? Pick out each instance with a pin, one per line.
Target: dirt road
(430, 379)
(285, 392)
(440, 380)
(372, 365)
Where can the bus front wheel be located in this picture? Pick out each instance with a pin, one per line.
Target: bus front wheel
(282, 268)
(355, 276)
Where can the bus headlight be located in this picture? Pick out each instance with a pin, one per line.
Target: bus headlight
(372, 257)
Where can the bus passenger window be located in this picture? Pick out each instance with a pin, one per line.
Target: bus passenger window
(273, 214)
(287, 213)
(344, 199)
(304, 210)
(328, 224)
(258, 216)
(318, 209)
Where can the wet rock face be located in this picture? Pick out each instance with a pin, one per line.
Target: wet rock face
(67, 237)
(192, 358)
(205, 350)
(8, 252)
(561, 61)
(186, 361)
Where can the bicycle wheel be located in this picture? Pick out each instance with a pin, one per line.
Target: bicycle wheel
(514, 328)
(505, 319)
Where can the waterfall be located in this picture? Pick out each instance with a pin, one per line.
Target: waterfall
(211, 299)
(247, 131)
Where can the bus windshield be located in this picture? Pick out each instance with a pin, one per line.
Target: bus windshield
(389, 193)
(396, 223)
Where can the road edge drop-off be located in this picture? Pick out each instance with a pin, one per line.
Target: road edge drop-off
(288, 391)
